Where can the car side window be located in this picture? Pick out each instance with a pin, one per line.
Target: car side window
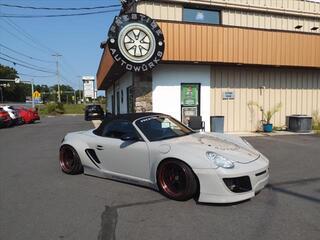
(117, 129)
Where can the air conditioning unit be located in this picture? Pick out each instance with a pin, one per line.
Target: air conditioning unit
(299, 123)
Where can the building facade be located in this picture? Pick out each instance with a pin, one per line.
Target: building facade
(222, 58)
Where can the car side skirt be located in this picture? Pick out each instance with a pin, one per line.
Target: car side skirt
(93, 171)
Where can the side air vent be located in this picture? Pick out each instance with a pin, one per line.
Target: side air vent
(93, 157)
(239, 184)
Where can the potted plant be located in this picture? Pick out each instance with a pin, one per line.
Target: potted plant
(267, 115)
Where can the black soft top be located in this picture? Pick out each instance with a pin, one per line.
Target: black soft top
(131, 117)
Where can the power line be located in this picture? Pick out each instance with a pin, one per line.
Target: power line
(22, 65)
(59, 8)
(27, 35)
(70, 68)
(25, 55)
(37, 76)
(64, 79)
(57, 15)
(21, 39)
(24, 62)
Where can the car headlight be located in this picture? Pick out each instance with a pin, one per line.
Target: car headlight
(219, 160)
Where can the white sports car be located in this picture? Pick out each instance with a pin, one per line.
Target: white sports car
(157, 151)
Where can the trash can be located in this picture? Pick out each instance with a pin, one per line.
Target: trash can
(300, 123)
(217, 124)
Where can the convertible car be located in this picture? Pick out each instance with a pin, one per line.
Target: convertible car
(159, 152)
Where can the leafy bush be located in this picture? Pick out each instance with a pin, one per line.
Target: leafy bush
(55, 108)
(316, 120)
(60, 108)
(267, 115)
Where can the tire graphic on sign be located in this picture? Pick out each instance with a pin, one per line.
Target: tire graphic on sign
(136, 42)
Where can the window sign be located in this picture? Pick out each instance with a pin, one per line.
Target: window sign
(228, 95)
(189, 94)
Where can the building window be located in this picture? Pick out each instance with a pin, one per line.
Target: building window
(130, 100)
(118, 103)
(201, 16)
(112, 105)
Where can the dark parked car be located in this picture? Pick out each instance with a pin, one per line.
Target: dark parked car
(93, 112)
(5, 119)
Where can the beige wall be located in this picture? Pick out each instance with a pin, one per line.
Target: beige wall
(293, 7)
(306, 14)
(269, 21)
(298, 90)
(165, 11)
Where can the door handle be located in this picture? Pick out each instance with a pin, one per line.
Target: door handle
(99, 147)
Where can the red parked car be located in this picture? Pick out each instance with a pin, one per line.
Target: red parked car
(5, 119)
(29, 115)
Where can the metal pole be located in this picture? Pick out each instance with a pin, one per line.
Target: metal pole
(1, 95)
(32, 91)
(58, 74)
(80, 80)
(84, 100)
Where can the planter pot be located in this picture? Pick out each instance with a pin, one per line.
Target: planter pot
(267, 127)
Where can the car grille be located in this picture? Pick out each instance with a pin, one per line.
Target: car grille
(239, 184)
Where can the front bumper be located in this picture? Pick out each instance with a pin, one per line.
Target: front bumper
(213, 188)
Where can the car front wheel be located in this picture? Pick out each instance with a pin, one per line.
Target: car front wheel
(69, 160)
(176, 180)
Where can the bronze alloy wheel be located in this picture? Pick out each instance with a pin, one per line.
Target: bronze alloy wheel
(176, 180)
(69, 160)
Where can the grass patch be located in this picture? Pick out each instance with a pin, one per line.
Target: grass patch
(74, 108)
(59, 109)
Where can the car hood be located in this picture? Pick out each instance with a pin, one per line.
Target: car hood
(231, 147)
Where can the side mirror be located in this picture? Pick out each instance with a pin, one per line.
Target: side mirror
(129, 137)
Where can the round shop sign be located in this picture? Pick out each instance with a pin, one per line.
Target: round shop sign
(136, 42)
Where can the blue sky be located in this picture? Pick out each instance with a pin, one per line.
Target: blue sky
(76, 38)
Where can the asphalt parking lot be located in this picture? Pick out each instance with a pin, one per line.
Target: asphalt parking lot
(38, 201)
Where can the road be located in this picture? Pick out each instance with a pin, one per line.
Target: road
(38, 201)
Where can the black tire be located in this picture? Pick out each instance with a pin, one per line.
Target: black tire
(70, 162)
(176, 180)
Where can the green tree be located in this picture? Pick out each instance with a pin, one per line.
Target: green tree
(13, 92)
(7, 72)
(67, 93)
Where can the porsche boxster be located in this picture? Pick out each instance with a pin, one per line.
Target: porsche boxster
(159, 152)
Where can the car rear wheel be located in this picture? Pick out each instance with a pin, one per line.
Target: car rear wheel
(69, 160)
(176, 180)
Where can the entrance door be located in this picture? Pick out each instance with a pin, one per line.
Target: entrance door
(190, 101)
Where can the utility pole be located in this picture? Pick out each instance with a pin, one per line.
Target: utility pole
(32, 90)
(80, 81)
(58, 74)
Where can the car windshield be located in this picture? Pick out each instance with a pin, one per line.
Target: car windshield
(157, 128)
(94, 107)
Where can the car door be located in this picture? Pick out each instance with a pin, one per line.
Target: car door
(130, 158)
